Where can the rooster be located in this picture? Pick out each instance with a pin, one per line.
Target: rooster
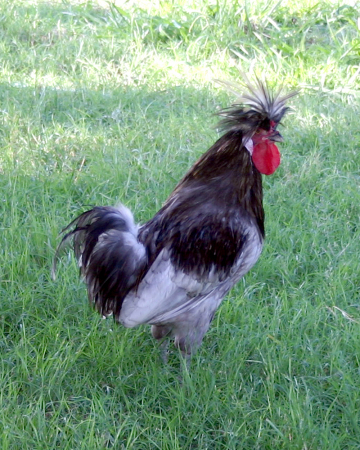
(174, 271)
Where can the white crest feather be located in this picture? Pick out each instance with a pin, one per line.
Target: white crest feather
(260, 97)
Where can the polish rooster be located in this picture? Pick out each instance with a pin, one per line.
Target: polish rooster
(174, 271)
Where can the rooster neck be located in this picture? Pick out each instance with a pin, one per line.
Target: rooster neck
(225, 175)
(222, 184)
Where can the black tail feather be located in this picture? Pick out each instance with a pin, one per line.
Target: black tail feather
(109, 255)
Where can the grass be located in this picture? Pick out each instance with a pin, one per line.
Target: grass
(101, 103)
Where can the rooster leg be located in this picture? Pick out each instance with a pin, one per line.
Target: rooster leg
(187, 360)
(164, 349)
(186, 351)
(161, 332)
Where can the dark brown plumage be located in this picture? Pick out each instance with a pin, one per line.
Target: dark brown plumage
(174, 271)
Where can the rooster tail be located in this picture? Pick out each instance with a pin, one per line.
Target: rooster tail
(110, 257)
(257, 105)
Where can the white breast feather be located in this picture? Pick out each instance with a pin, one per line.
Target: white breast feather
(165, 292)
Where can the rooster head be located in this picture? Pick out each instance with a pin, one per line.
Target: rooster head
(256, 116)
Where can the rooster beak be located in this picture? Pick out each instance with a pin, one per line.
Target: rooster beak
(276, 137)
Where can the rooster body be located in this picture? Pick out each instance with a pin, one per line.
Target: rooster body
(174, 271)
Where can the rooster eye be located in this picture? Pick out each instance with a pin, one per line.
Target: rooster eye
(265, 125)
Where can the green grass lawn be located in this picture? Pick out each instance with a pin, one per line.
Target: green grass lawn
(103, 103)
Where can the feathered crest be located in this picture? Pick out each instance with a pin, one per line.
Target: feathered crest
(254, 106)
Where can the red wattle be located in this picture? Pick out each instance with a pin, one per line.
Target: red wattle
(266, 157)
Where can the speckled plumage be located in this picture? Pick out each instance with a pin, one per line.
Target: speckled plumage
(174, 271)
